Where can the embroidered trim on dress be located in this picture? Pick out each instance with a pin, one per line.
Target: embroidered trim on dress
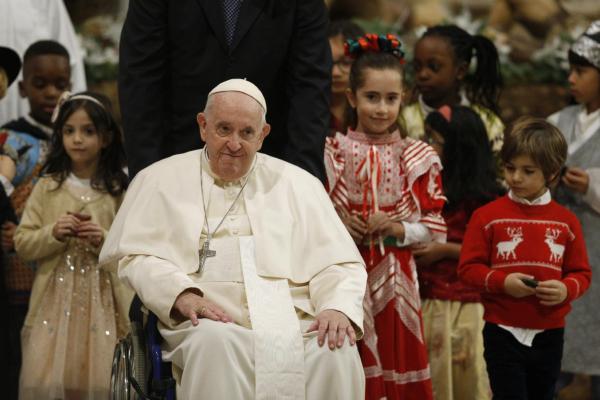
(402, 378)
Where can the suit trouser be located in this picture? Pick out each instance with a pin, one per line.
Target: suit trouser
(519, 372)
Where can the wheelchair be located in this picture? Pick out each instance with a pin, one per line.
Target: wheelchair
(138, 371)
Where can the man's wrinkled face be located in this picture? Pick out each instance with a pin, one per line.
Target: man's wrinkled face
(232, 128)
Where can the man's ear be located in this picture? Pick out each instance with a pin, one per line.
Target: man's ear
(351, 97)
(201, 119)
(265, 132)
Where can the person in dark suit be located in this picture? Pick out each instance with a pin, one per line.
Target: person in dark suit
(171, 52)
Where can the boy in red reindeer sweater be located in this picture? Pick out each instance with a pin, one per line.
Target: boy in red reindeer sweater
(527, 255)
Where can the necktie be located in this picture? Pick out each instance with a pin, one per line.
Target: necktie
(231, 10)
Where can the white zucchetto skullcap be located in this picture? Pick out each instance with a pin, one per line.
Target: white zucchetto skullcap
(243, 86)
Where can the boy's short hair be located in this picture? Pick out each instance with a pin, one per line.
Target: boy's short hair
(43, 48)
(538, 139)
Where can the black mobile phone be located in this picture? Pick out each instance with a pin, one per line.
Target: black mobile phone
(532, 283)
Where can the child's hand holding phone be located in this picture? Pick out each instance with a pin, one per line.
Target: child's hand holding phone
(515, 287)
(88, 230)
(65, 226)
(80, 225)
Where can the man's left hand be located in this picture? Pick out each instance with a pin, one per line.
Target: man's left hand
(336, 326)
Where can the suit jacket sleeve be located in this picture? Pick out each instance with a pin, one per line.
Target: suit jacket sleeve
(308, 87)
(143, 63)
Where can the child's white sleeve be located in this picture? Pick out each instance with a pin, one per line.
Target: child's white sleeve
(414, 232)
(592, 197)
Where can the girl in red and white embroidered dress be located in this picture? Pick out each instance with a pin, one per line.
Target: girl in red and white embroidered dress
(387, 190)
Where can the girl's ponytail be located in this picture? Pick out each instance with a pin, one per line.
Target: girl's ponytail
(483, 86)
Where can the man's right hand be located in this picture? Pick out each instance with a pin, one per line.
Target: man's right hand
(514, 286)
(190, 305)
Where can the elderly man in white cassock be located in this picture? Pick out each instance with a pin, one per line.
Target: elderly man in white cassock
(257, 284)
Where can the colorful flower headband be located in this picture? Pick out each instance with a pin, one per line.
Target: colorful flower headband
(373, 43)
(66, 96)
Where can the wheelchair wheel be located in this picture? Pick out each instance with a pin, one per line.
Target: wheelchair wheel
(129, 377)
(119, 383)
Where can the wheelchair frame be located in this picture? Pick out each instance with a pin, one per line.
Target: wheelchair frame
(138, 371)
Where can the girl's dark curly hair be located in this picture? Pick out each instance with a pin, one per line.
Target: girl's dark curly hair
(469, 172)
(109, 176)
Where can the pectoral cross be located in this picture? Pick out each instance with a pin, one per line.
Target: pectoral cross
(204, 253)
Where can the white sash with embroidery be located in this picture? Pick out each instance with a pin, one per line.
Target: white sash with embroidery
(278, 343)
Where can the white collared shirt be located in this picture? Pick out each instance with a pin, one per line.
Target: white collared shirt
(544, 199)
